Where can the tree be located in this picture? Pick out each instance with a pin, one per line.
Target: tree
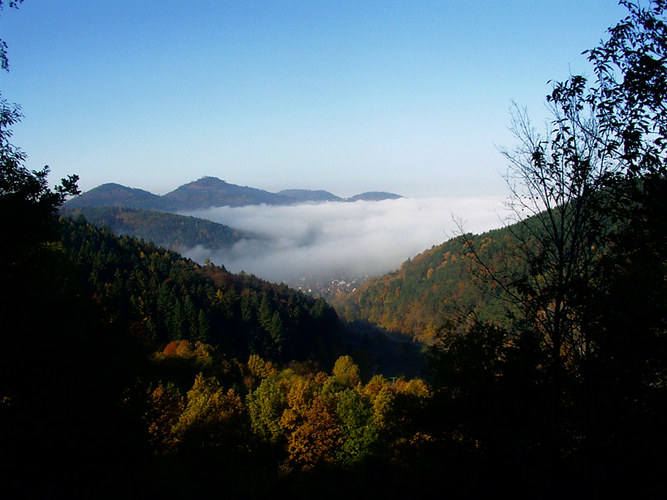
(346, 372)
(317, 438)
(354, 410)
(212, 418)
(24, 194)
(28, 205)
(165, 405)
(588, 196)
(4, 59)
(556, 183)
(266, 405)
(631, 86)
(629, 365)
(48, 423)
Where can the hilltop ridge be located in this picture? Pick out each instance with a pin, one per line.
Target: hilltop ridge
(207, 192)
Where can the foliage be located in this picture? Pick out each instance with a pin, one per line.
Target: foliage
(345, 372)
(211, 417)
(630, 89)
(359, 430)
(25, 194)
(293, 422)
(4, 59)
(316, 437)
(165, 405)
(64, 371)
(266, 405)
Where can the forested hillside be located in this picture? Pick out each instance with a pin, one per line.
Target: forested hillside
(159, 296)
(443, 287)
(175, 232)
(116, 195)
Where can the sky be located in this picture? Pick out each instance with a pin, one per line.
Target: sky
(411, 97)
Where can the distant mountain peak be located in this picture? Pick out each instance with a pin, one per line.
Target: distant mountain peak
(207, 180)
(374, 196)
(207, 192)
(112, 194)
(213, 192)
(318, 195)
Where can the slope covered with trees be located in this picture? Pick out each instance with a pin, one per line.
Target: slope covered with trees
(116, 195)
(175, 232)
(159, 296)
(440, 288)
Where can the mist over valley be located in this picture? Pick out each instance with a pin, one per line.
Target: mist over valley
(306, 238)
(334, 240)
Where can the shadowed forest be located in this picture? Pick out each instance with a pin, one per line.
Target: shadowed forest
(528, 360)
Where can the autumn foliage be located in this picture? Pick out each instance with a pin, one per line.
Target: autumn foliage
(308, 419)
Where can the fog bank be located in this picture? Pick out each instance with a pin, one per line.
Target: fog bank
(341, 239)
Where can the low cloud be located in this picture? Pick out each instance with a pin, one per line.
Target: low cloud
(343, 239)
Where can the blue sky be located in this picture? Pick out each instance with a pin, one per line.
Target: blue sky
(349, 96)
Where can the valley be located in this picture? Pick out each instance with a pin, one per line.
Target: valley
(324, 241)
(328, 287)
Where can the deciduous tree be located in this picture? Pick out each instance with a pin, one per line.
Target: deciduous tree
(588, 196)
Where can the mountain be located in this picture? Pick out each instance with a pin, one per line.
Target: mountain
(374, 196)
(116, 195)
(323, 196)
(205, 193)
(309, 195)
(171, 231)
(213, 192)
